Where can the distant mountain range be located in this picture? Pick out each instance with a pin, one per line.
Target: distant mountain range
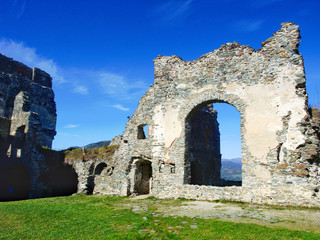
(98, 144)
(235, 160)
(231, 169)
(93, 145)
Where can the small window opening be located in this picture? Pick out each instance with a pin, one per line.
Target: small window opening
(172, 168)
(161, 166)
(18, 153)
(9, 151)
(143, 131)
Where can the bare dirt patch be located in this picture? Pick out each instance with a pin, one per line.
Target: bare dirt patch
(301, 219)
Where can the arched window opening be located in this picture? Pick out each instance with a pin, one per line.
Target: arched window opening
(100, 168)
(213, 145)
(143, 131)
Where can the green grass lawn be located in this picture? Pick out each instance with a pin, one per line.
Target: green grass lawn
(93, 217)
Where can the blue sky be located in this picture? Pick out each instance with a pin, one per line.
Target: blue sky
(100, 53)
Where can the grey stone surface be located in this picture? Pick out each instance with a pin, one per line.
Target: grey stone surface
(280, 146)
(27, 123)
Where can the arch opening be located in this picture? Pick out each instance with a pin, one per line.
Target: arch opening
(142, 177)
(212, 148)
(99, 168)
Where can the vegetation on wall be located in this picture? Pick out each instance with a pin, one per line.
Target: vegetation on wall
(104, 152)
(315, 113)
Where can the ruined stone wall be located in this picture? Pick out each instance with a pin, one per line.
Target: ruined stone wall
(267, 86)
(92, 166)
(27, 122)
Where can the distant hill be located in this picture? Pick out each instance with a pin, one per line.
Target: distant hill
(231, 169)
(98, 144)
(235, 160)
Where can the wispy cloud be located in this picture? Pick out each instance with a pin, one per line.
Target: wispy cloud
(120, 107)
(81, 90)
(18, 51)
(11, 10)
(19, 6)
(248, 25)
(118, 86)
(114, 85)
(72, 126)
(172, 11)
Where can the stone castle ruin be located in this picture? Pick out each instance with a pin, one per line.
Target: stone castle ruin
(179, 153)
(27, 125)
(180, 156)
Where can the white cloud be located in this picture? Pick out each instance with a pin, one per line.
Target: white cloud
(72, 126)
(111, 84)
(249, 25)
(117, 86)
(120, 107)
(81, 90)
(173, 11)
(19, 52)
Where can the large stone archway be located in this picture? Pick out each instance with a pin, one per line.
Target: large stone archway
(267, 86)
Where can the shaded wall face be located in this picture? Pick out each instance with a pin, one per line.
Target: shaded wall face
(203, 147)
(16, 183)
(60, 177)
(28, 110)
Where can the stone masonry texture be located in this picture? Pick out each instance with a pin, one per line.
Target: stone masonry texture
(27, 123)
(171, 145)
(280, 147)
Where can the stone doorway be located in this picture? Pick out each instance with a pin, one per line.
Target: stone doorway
(142, 177)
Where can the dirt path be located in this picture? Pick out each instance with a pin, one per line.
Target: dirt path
(292, 218)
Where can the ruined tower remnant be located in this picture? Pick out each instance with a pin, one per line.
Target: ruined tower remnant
(27, 122)
(203, 158)
(280, 147)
